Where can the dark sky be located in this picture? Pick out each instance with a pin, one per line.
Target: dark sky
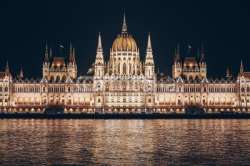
(223, 27)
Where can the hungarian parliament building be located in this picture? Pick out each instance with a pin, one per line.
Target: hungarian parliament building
(124, 84)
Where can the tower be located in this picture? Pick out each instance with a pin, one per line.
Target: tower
(177, 67)
(99, 61)
(72, 66)
(149, 62)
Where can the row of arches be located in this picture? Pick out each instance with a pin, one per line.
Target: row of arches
(4, 89)
(125, 69)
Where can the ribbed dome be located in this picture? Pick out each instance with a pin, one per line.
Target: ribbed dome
(124, 42)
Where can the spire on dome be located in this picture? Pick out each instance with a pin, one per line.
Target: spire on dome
(124, 25)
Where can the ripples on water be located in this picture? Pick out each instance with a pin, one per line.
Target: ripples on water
(125, 142)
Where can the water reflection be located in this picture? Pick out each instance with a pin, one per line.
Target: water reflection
(124, 142)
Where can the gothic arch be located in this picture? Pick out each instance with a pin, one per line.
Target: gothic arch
(64, 78)
(124, 68)
(52, 79)
(57, 78)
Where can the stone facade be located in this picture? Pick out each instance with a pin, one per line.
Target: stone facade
(124, 84)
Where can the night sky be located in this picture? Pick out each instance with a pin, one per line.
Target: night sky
(223, 27)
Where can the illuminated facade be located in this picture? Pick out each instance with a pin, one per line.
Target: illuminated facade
(124, 84)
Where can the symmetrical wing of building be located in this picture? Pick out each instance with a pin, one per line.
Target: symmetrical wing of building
(124, 83)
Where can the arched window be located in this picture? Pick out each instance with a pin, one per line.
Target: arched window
(52, 79)
(130, 68)
(57, 78)
(64, 78)
(118, 68)
(124, 68)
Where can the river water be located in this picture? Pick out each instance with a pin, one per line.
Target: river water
(124, 142)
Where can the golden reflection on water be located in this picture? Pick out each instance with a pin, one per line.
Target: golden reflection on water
(124, 142)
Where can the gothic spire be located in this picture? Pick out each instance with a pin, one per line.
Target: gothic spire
(124, 25)
(74, 54)
(241, 67)
(70, 48)
(149, 46)
(149, 53)
(177, 52)
(99, 52)
(21, 73)
(202, 53)
(99, 44)
(46, 54)
(71, 53)
(228, 73)
(7, 69)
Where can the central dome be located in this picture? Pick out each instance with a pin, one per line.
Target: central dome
(124, 42)
(124, 55)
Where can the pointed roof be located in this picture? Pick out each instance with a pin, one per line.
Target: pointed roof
(124, 25)
(21, 73)
(149, 46)
(99, 52)
(149, 53)
(99, 44)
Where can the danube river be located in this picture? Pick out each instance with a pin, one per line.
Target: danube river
(124, 142)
